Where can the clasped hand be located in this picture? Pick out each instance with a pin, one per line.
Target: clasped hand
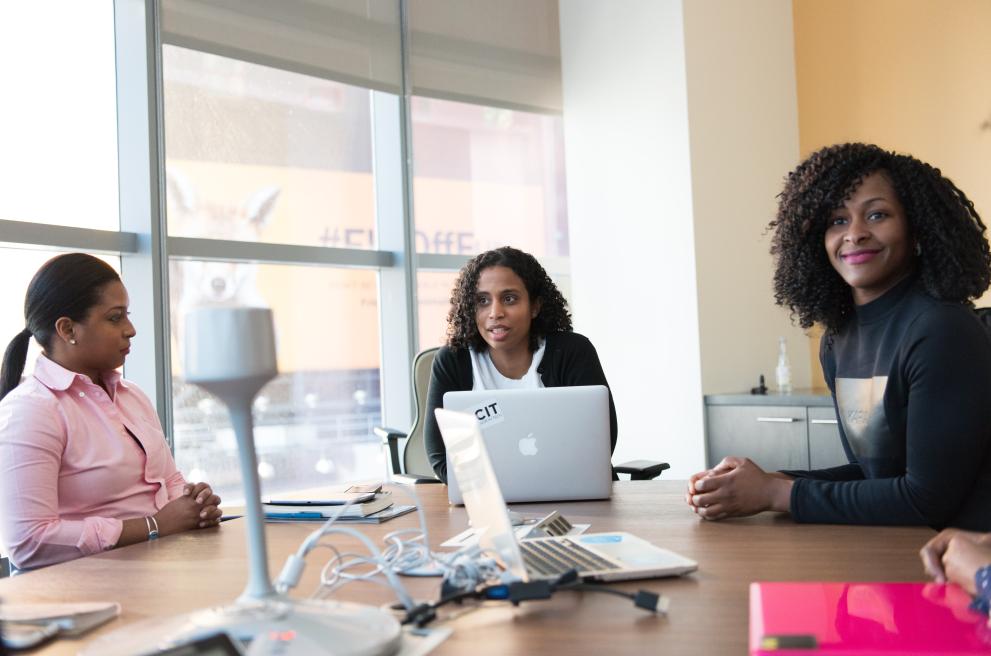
(198, 507)
(955, 556)
(737, 487)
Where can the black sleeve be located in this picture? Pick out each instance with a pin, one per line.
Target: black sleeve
(444, 377)
(581, 366)
(947, 377)
(840, 473)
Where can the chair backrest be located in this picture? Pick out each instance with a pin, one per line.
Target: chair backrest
(415, 461)
(984, 314)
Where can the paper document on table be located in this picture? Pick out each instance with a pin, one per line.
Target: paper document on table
(469, 537)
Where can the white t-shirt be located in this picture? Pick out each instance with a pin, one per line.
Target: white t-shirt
(485, 376)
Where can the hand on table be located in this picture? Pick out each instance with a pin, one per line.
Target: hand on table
(198, 507)
(955, 556)
(737, 487)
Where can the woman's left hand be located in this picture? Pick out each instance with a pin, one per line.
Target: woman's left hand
(202, 494)
(962, 558)
(737, 488)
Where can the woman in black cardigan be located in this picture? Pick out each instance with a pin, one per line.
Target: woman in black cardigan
(508, 328)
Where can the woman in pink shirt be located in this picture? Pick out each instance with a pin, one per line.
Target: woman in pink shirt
(84, 465)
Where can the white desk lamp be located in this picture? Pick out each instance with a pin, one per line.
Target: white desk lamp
(230, 352)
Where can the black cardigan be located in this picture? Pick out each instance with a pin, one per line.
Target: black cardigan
(569, 360)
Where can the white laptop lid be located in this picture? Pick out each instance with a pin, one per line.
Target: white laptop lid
(469, 464)
(549, 444)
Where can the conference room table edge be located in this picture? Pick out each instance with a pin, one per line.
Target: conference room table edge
(708, 608)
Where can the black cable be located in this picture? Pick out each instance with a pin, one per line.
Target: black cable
(519, 591)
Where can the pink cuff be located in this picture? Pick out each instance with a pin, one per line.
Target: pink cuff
(99, 534)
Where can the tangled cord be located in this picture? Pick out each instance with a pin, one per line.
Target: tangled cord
(405, 551)
(469, 573)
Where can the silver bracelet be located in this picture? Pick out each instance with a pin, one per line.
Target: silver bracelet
(152, 532)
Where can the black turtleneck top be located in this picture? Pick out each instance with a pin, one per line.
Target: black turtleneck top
(911, 381)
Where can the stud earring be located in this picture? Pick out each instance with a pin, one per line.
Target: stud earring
(918, 248)
(72, 341)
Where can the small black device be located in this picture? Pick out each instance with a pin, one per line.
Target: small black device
(761, 387)
(217, 644)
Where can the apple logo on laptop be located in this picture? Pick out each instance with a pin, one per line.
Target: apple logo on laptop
(528, 445)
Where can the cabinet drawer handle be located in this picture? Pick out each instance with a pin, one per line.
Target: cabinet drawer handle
(824, 421)
(778, 420)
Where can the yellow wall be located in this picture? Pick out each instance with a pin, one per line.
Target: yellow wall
(909, 75)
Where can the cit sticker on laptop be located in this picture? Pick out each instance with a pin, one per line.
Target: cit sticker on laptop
(488, 414)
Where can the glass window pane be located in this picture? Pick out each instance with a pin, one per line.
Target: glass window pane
(261, 154)
(58, 161)
(486, 177)
(433, 295)
(313, 423)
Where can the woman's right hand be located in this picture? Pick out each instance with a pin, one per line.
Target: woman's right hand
(934, 553)
(187, 512)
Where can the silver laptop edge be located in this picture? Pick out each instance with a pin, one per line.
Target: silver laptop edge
(548, 444)
(469, 464)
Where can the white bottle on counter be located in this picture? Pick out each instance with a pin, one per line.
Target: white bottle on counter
(782, 373)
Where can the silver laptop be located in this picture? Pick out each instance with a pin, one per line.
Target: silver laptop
(548, 444)
(598, 556)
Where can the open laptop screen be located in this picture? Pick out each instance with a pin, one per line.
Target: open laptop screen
(470, 466)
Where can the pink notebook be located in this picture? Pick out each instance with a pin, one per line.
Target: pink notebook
(864, 619)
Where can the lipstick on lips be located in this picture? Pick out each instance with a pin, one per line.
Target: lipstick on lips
(859, 257)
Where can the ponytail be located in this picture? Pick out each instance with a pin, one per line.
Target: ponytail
(13, 362)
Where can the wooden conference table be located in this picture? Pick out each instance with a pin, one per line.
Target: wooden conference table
(708, 613)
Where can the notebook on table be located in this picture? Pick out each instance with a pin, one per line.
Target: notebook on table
(549, 444)
(864, 619)
(597, 556)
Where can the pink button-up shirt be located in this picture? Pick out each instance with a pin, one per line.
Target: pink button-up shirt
(69, 471)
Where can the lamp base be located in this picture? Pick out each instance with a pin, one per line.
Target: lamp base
(288, 627)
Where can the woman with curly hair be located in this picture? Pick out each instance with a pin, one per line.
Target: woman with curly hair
(508, 328)
(887, 254)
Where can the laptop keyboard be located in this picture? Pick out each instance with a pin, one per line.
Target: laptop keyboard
(557, 556)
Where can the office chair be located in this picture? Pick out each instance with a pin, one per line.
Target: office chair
(416, 468)
(4, 567)
(984, 314)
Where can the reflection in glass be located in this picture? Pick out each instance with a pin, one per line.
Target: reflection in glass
(261, 154)
(486, 177)
(313, 423)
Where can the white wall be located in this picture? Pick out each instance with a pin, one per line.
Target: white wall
(743, 119)
(680, 124)
(630, 212)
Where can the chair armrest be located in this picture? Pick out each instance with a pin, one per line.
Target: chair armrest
(409, 479)
(391, 437)
(642, 470)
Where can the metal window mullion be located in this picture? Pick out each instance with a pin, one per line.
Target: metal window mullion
(140, 161)
(244, 251)
(67, 238)
(394, 221)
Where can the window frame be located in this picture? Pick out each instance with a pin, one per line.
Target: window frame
(145, 248)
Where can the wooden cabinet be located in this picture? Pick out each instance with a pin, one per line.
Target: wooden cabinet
(776, 431)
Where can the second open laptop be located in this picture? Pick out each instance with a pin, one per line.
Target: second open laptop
(550, 444)
(598, 556)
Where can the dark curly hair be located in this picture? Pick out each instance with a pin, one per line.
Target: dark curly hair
(462, 329)
(954, 264)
